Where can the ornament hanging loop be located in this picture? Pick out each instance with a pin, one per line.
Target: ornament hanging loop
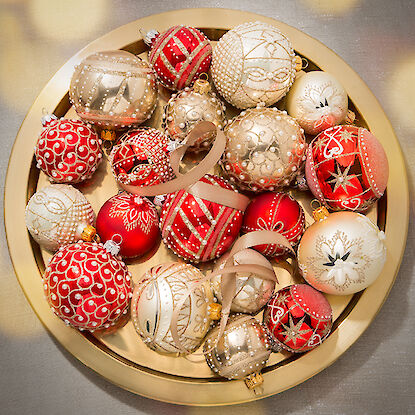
(320, 212)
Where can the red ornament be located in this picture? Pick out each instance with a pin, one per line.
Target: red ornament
(86, 286)
(298, 317)
(273, 211)
(68, 151)
(179, 55)
(346, 168)
(141, 158)
(196, 229)
(131, 221)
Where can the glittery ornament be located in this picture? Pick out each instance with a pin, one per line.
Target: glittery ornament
(57, 215)
(265, 148)
(68, 151)
(190, 106)
(179, 55)
(299, 318)
(86, 286)
(253, 63)
(155, 297)
(342, 254)
(196, 229)
(346, 168)
(130, 221)
(277, 212)
(252, 292)
(141, 158)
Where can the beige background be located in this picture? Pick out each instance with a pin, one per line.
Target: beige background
(377, 38)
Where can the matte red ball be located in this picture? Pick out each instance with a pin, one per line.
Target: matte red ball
(130, 221)
(179, 56)
(347, 168)
(274, 211)
(298, 317)
(196, 229)
(68, 151)
(86, 286)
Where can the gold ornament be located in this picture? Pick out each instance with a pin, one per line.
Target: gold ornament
(265, 149)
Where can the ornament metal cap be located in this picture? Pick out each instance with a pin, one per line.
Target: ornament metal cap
(214, 311)
(149, 36)
(88, 234)
(253, 381)
(201, 86)
(108, 135)
(320, 213)
(351, 117)
(47, 118)
(113, 247)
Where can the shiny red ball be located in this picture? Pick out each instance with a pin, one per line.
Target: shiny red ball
(130, 221)
(68, 151)
(86, 286)
(273, 211)
(196, 229)
(298, 317)
(179, 56)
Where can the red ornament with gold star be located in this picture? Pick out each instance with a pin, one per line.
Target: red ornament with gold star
(274, 211)
(299, 318)
(346, 168)
(130, 221)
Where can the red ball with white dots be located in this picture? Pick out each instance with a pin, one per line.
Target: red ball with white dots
(346, 168)
(130, 221)
(179, 56)
(298, 317)
(86, 286)
(275, 211)
(196, 229)
(68, 151)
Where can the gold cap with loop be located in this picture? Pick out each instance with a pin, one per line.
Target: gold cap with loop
(320, 212)
(88, 234)
(214, 311)
(202, 85)
(351, 117)
(108, 135)
(254, 380)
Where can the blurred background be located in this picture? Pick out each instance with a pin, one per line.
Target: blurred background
(377, 39)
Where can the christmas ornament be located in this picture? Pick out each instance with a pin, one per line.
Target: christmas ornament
(252, 293)
(68, 151)
(58, 215)
(195, 228)
(277, 212)
(179, 55)
(113, 89)
(131, 221)
(86, 286)
(189, 107)
(265, 148)
(318, 101)
(141, 158)
(346, 168)
(299, 318)
(342, 253)
(156, 296)
(253, 63)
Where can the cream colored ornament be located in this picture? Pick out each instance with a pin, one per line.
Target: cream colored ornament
(265, 149)
(154, 300)
(252, 292)
(342, 253)
(253, 63)
(318, 101)
(58, 215)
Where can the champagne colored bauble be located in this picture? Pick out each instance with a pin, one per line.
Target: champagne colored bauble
(113, 89)
(86, 286)
(299, 318)
(141, 158)
(243, 349)
(156, 296)
(129, 221)
(277, 212)
(342, 254)
(264, 150)
(317, 101)
(253, 63)
(179, 55)
(57, 215)
(188, 108)
(346, 168)
(195, 228)
(68, 151)
(252, 292)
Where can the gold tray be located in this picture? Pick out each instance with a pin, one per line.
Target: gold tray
(121, 357)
